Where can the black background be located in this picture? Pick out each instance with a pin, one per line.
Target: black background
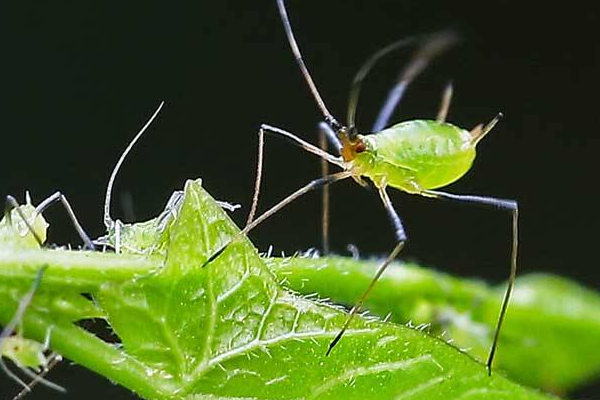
(79, 80)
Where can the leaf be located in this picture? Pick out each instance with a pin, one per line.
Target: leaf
(551, 325)
(229, 330)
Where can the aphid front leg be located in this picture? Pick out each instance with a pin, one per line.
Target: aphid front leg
(323, 154)
(400, 241)
(58, 196)
(503, 204)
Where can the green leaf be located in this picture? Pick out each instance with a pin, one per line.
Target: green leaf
(228, 330)
(551, 324)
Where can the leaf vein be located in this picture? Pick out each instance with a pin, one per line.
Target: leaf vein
(423, 386)
(369, 370)
(257, 343)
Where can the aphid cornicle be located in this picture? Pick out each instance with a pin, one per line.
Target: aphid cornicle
(415, 157)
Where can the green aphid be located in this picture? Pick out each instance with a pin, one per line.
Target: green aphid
(415, 156)
(23, 227)
(25, 353)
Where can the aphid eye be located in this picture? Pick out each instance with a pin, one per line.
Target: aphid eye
(360, 147)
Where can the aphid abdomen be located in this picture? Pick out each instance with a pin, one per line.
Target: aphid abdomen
(419, 154)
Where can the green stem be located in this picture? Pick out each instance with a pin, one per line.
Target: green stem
(91, 352)
(406, 286)
(77, 270)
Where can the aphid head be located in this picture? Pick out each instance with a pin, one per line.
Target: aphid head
(352, 144)
(480, 131)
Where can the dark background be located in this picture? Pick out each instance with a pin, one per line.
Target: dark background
(79, 80)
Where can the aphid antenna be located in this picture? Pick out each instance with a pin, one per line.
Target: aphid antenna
(362, 73)
(480, 131)
(329, 118)
(108, 221)
(445, 103)
(433, 46)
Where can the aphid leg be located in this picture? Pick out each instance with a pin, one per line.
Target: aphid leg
(315, 184)
(295, 140)
(362, 73)
(504, 204)
(257, 181)
(445, 104)
(401, 240)
(326, 134)
(325, 196)
(10, 327)
(39, 378)
(58, 196)
(11, 203)
(311, 148)
(430, 49)
(55, 358)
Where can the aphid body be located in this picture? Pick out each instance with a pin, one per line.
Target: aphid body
(413, 155)
(15, 232)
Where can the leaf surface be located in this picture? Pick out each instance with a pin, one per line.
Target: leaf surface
(537, 345)
(230, 330)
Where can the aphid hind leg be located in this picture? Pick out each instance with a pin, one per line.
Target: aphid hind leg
(326, 134)
(323, 154)
(58, 196)
(504, 204)
(10, 204)
(400, 241)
